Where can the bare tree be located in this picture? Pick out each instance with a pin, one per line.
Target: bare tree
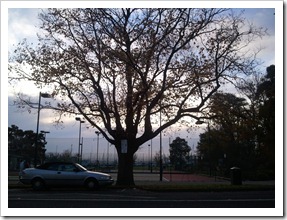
(121, 68)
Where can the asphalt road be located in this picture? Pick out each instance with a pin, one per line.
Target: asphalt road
(135, 198)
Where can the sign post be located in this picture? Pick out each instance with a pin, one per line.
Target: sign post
(124, 146)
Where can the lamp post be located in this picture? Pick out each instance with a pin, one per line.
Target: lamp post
(108, 154)
(45, 132)
(44, 95)
(209, 153)
(160, 147)
(79, 149)
(150, 155)
(97, 133)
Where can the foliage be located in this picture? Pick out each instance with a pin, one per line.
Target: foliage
(266, 114)
(122, 68)
(66, 156)
(22, 143)
(243, 131)
(179, 153)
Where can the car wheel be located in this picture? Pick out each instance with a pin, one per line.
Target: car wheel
(38, 184)
(91, 184)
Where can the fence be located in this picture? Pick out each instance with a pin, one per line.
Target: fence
(100, 153)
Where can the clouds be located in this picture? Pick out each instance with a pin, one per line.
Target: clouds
(263, 46)
(22, 23)
(262, 17)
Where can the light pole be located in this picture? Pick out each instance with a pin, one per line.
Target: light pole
(150, 155)
(82, 146)
(45, 132)
(97, 133)
(44, 95)
(160, 147)
(108, 155)
(79, 149)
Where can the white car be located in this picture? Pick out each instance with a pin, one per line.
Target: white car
(63, 174)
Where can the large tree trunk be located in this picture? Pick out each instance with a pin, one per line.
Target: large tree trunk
(125, 170)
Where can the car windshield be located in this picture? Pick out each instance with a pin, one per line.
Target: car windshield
(80, 167)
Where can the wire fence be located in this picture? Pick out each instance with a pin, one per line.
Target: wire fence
(100, 152)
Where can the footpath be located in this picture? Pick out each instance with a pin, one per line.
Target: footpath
(147, 178)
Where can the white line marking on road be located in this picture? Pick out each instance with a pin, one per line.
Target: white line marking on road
(148, 200)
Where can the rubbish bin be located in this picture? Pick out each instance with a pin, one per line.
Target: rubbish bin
(236, 176)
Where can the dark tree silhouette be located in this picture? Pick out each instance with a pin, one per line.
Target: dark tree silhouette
(179, 153)
(243, 131)
(22, 143)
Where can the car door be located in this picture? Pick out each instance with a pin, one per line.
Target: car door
(51, 174)
(68, 174)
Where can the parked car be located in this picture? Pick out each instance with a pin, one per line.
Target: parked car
(63, 174)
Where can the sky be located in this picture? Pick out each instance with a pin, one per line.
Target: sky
(22, 23)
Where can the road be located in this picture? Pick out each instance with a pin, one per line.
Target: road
(135, 198)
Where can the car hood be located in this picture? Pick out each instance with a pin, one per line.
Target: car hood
(97, 173)
(30, 169)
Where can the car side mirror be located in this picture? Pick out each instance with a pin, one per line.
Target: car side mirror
(76, 170)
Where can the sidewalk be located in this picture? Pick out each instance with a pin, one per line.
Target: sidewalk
(146, 178)
(189, 179)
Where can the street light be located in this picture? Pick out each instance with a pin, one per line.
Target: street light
(108, 154)
(44, 95)
(150, 155)
(160, 147)
(79, 149)
(45, 132)
(98, 133)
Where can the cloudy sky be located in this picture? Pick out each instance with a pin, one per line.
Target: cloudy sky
(22, 23)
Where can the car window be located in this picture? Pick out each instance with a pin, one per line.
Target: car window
(68, 167)
(53, 167)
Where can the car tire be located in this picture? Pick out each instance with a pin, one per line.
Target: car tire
(91, 184)
(38, 184)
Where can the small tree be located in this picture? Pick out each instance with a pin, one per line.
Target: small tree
(179, 153)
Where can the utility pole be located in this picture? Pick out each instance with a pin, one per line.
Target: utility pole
(97, 133)
(160, 149)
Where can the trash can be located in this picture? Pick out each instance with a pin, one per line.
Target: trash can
(236, 176)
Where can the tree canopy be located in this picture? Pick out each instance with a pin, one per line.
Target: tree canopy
(122, 68)
(243, 131)
(22, 143)
(179, 153)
